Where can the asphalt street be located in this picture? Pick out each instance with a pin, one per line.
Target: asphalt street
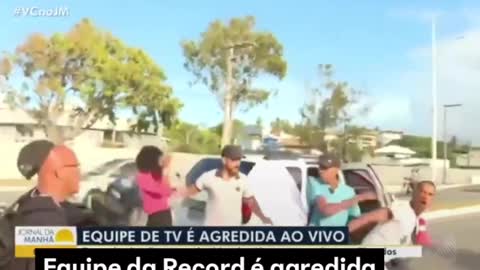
(454, 197)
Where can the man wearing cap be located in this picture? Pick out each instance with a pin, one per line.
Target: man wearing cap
(58, 173)
(227, 189)
(331, 201)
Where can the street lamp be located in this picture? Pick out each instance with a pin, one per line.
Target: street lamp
(434, 101)
(445, 108)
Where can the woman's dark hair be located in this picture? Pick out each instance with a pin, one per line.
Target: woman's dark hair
(148, 158)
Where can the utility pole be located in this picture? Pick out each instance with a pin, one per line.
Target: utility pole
(445, 155)
(434, 102)
(227, 116)
(229, 92)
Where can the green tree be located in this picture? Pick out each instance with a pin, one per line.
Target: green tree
(421, 145)
(310, 135)
(259, 122)
(453, 144)
(85, 75)
(238, 129)
(280, 125)
(228, 58)
(332, 105)
(190, 138)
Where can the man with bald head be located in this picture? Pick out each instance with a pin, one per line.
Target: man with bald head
(58, 173)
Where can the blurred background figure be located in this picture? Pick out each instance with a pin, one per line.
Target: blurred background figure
(154, 185)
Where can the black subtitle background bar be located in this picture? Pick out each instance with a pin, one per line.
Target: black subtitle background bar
(193, 235)
(126, 256)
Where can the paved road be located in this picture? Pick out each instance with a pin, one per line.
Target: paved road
(464, 233)
(455, 197)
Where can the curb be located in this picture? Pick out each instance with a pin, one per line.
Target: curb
(453, 212)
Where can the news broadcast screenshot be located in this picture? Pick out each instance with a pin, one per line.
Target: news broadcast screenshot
(251, 135)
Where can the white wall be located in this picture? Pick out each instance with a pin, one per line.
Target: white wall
(87, 147)
(89, 157)
(394, 175)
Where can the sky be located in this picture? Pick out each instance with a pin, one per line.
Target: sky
(379, 47)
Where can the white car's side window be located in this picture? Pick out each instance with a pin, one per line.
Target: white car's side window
(296, 174)
(359, 181)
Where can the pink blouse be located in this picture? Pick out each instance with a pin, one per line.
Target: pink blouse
(155, 192)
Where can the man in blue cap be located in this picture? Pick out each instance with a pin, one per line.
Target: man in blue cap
(331, 201)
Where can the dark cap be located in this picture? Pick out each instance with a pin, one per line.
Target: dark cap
(32, 156)
(327, 161)
(232, 152)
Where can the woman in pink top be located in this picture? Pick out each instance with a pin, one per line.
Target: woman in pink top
(152, 178)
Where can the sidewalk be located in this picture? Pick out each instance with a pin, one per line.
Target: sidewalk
(452, 209)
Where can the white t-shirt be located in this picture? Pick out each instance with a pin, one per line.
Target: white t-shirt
(224, 204)
(398, 230)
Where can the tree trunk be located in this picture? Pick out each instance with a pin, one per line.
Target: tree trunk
(54, 134)
(227, 123)
(228, 102)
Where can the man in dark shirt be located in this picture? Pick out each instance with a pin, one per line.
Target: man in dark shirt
(58, 173)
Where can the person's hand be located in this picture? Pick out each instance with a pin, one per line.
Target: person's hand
(367, 196)
(166, 162)
(179, 192)
(267, 220)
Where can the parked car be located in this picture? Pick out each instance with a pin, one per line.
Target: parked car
(360, 176)
(99, 178)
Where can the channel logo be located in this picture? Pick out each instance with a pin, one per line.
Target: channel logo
(27, 239)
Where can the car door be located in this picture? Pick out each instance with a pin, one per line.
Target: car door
(364, 180)
(361, 181)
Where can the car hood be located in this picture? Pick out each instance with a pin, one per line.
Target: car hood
(277, 194)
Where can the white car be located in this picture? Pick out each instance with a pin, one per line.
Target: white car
(99, 178)
(360, 176)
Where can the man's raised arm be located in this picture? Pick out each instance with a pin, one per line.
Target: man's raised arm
(330, 209)
(377, 216)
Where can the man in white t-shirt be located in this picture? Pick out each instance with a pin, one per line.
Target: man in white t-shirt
(397, 224)
(227, 189)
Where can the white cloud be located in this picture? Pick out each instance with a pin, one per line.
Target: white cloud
(387, 112)
(458, 58)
